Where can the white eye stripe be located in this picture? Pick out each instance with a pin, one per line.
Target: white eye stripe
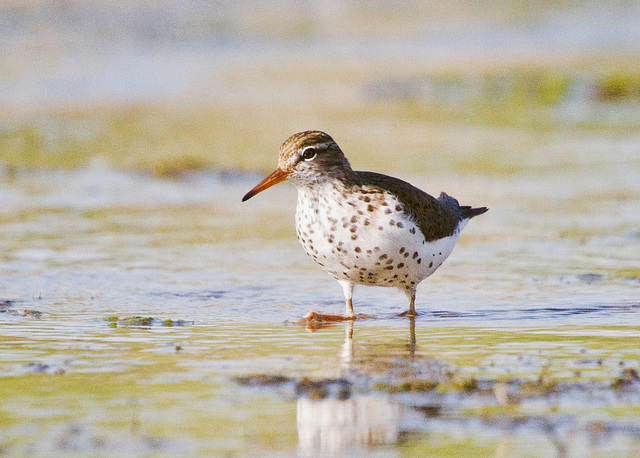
(315, 146)
(311, 150)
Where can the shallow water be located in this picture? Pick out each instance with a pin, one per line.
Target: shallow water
(146, 316)
(143, 316)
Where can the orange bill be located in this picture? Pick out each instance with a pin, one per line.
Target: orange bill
(278, 176)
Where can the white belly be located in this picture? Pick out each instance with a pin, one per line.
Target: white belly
(372, 247)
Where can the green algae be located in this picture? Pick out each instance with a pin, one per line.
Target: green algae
(142, 321)
(628, 273)
(618, 85)
(411, 386)
(262, 380)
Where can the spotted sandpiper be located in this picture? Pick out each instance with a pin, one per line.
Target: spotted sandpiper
(364, 227)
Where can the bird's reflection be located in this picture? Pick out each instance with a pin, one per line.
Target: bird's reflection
(352, 422)
(331, 425)
(346, 352)
(412, 338)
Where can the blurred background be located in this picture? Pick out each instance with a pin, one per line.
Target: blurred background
(144, 309)
(168, 86)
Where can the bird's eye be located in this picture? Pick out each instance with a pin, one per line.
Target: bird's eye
(308, 154)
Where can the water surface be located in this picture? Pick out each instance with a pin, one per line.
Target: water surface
(142, 316)
(145, 311)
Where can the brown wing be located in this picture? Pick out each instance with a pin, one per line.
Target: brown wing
(435, 218)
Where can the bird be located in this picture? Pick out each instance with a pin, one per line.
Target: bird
(364, 228)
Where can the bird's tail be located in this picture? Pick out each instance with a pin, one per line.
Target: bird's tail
(465, 212)
(468, 212)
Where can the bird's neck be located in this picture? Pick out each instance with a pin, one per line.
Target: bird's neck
(320, 190)
(339, 177)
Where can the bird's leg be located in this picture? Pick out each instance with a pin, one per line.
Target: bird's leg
(411, 294)
(347, 287)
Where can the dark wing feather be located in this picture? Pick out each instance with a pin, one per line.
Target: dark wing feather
(436, 218)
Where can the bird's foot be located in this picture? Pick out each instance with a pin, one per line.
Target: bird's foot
(409, 313)
(314, 321)
(323, 318)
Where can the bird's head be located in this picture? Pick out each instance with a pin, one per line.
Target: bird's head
(305, 159)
